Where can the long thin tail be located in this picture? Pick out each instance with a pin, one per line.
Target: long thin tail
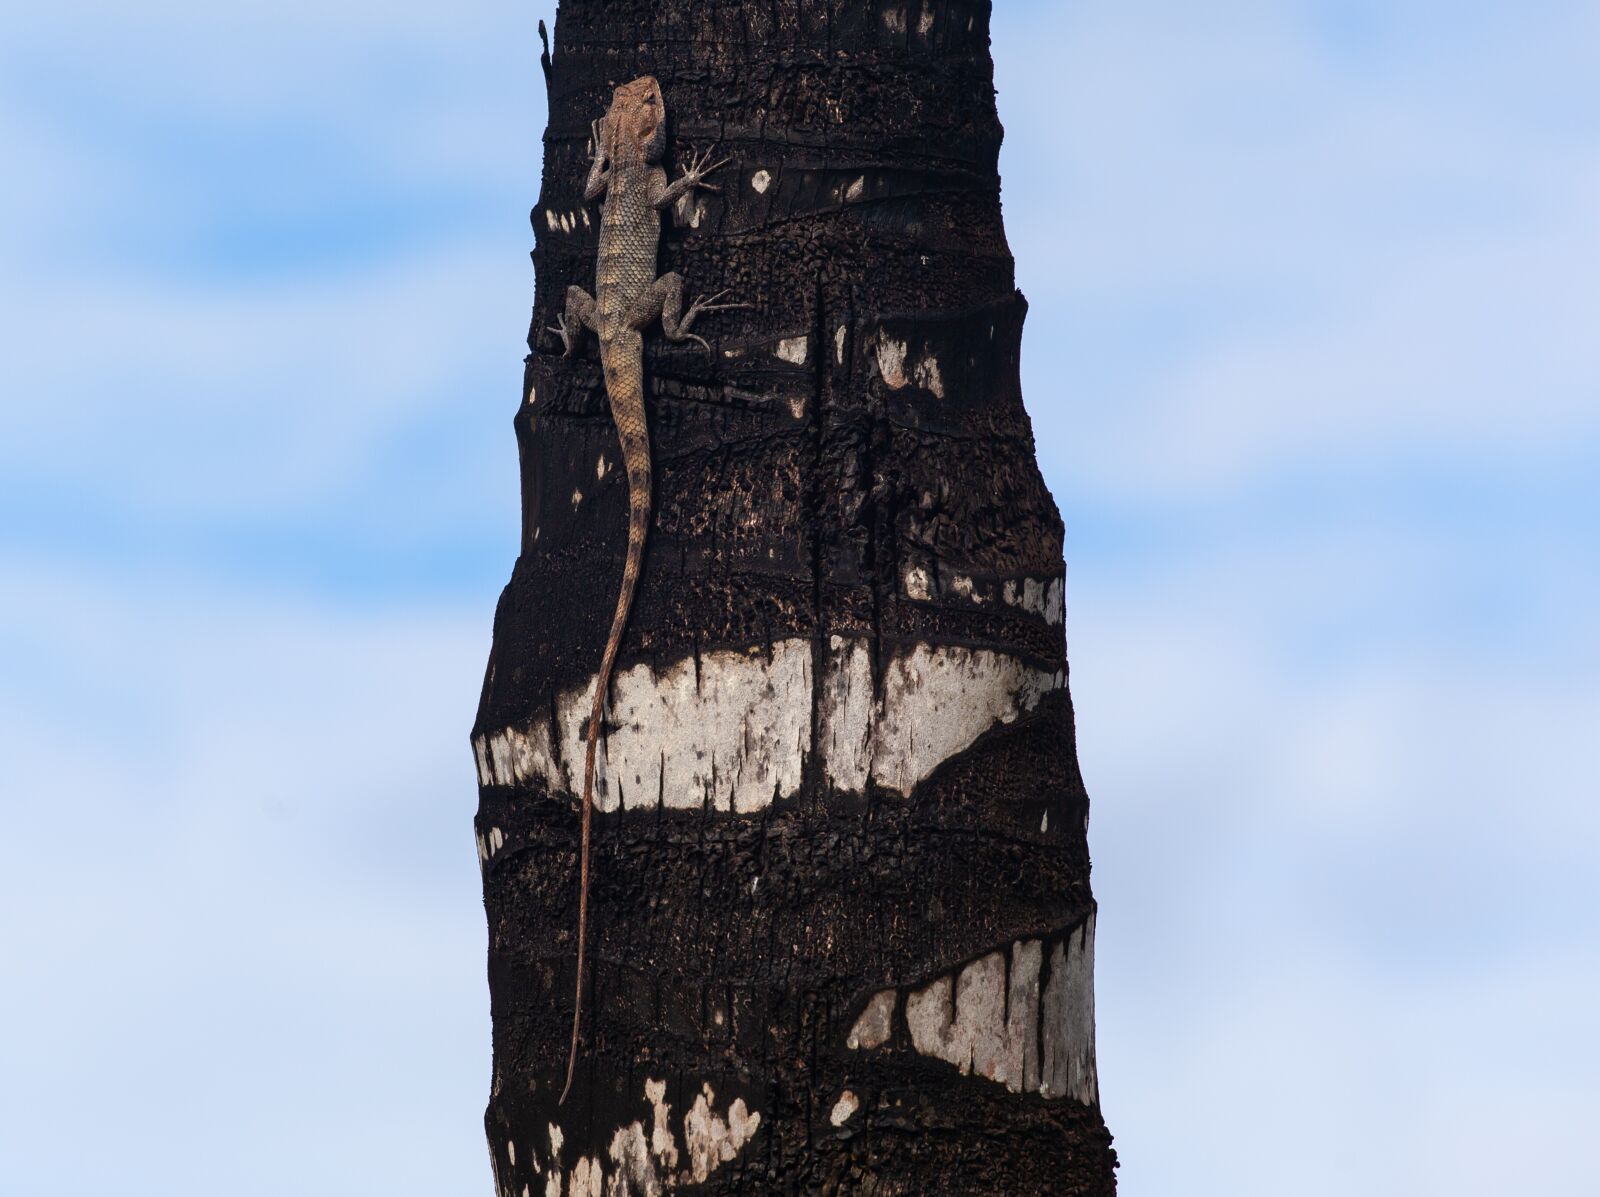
(638, 524)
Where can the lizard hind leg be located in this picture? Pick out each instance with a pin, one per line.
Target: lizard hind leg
(578, 316)
(665, 299)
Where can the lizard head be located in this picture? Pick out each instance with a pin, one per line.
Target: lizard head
(636, 124)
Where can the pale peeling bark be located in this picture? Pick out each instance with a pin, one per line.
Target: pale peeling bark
(1000, 1018)
(734, 730)
(841, 926)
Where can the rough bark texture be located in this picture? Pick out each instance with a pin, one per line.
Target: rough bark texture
(842, 931)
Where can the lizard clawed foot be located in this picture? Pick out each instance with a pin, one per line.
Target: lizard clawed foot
(561, 330)
(709, 303)
(699, 166)
(698, 308)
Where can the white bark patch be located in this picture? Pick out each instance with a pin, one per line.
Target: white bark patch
(587, 1179)
(735, 736)
(876, 1021)
(1037, 596)
(935, 702)
(925, 21)
(891, 361)
(635, 1172)
(533, 394)
(990, 1018)
(795, 350)
(761, 180)
(577, 497)
(1022, 1016)
(514, 755)
(844, 1109)
(838, 344)
(856, 190)
(894, 19)
(939, 699)
(551, 219)
(732, 738)
(963, 587)
(892, 365)
(662, 1143)
(962, 1021)
(1068, 1068)
(917, 584)
(713, 1140)
(646, 1165)
(847, 712)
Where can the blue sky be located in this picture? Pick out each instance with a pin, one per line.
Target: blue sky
(1312, 362)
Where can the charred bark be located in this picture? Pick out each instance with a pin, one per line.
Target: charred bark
(842, 930)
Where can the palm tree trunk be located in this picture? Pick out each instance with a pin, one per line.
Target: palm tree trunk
(842, 934)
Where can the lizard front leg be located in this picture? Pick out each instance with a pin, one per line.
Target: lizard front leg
(664, 299)
(663, 194)
(579, 315)
(599, 173)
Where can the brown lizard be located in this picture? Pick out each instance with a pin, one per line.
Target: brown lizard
(625, 168)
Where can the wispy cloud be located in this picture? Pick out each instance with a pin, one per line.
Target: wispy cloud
(239, 832)
(1285, 242)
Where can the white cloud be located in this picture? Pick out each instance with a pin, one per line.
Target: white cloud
(260, 59)
(240, 832)
(260, 399)
(1272, 255)
(1315, 1079)
(188, 338)
(1478, 354)
(1347, 908)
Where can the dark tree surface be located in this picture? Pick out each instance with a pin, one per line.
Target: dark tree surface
(842, 930)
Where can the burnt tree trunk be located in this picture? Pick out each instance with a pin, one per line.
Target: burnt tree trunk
(842, 932)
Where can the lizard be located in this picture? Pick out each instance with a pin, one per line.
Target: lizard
(626, 149)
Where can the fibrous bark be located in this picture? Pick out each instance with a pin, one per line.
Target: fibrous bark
(842, 932)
